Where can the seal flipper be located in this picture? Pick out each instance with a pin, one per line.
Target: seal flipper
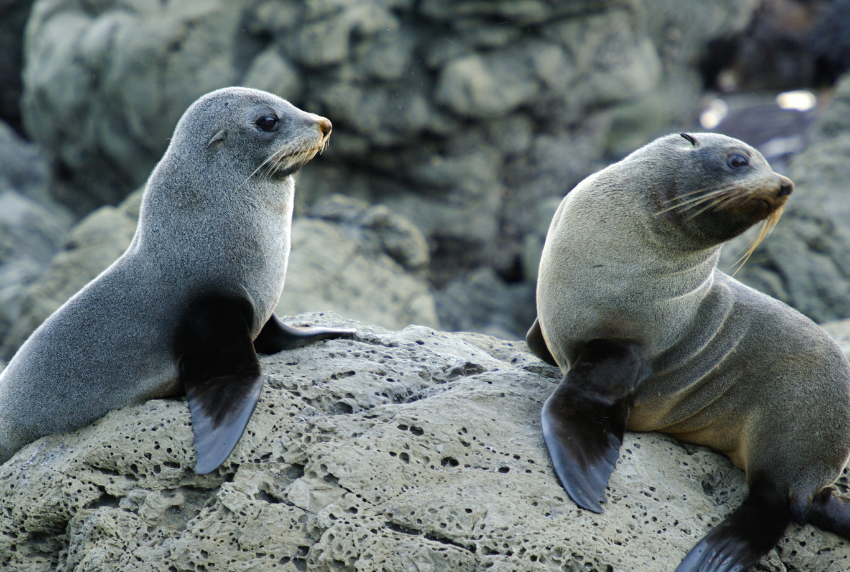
(744, 536)
(537, 345)
(585, 418)
(828, 512)
(221, 375)
(277, 336)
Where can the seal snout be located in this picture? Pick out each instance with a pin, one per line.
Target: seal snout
(325, 126)
(786, 186)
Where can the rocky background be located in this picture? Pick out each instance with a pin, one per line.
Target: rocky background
(458, 127)
(465, 121)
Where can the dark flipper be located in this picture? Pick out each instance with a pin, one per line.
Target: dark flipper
(277, 336)
(829, 512)
(585, 418)
(744, 536)
(537, 345)
(220, 372)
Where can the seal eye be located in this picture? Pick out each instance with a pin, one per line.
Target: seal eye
(736, 161)
(267, 123)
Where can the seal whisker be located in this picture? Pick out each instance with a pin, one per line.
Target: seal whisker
(700, 190)
(711, 205)
(695, 201)
(255, 171)
(275, 163)
(682, 201)
(725, 196)
(766, 228)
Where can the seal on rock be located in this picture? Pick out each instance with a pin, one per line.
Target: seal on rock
(190, 303)
(651, 336)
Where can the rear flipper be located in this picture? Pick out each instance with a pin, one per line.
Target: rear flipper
(827, 512)
(537, 345)
(746, 535)
(585, 418)
(277, 336)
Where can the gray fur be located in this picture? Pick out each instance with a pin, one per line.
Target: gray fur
(728, 367)
(213, 221)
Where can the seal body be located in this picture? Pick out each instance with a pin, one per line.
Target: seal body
(629, 265)
(212, 241)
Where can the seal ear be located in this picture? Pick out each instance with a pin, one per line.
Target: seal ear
(690, 138)
(217, 138)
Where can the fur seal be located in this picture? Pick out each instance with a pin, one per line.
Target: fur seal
(190, 303)
(651, 336)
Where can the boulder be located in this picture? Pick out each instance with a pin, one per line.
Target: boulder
(367, 263)
(482, 302)
(30, 234)
(408, 450)
(88, 249)
(13, 19)
(32, 226)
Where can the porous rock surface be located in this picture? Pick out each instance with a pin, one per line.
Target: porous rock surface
(409, 450)
(365, 262)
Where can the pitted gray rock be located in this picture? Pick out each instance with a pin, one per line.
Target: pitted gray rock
(394, 450)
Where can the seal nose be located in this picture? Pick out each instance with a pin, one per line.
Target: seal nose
(786, 187)
(325, 126)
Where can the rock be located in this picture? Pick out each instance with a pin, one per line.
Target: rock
(30, 234)
(482, 302)
(360, 261)
(367, 265)
(410, 450)
(31, 225)
(829, 42)
(821, 171)
(13, 18)
(28, 229)
(839, 331)
(680, 33)
(89, 248)
(24, 167)
(104, 85)
(789, 44)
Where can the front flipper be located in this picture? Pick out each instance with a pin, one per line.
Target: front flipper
(537, 345)
(744, 536)
(585, 418)
(277, 336)
(221, 375)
